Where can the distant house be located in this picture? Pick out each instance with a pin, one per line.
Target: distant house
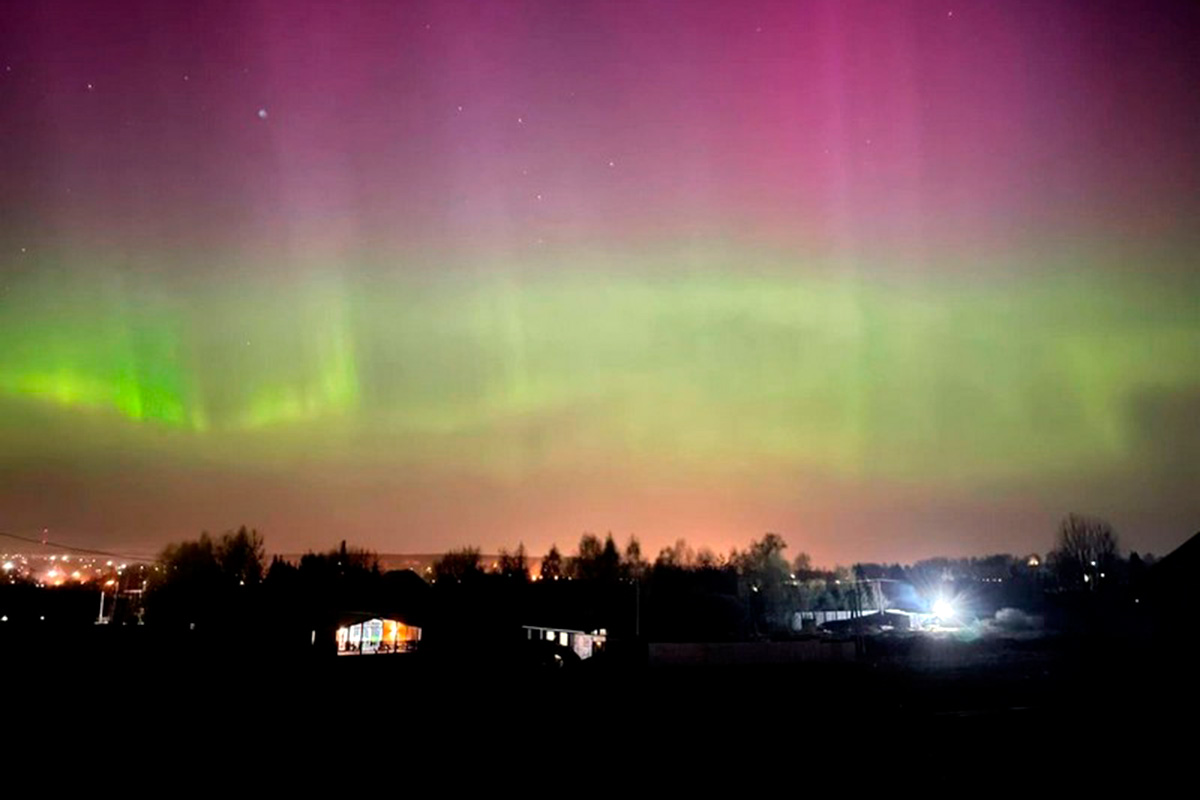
(363, 633)
(583, 644)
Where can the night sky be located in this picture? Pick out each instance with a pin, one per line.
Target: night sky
(893, 279)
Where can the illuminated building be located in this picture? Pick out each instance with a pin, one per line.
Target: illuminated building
(364, 634)
(583, 644)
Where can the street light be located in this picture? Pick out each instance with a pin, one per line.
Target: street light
(943, 609)
(100, 617)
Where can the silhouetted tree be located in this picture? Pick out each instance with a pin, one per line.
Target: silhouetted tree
(280, 570)
(633, 565)
(552, 566)
(1086, 547)
(766, 576)
(512, 565)
(207, 582)
(458, 565)
(240, 556)
(350, 559)
(706, 559)
(608, 566)
(677, 556)
(763, 564)
(595, 561)
(584, 565)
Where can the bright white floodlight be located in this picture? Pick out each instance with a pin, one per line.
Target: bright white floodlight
(942, 609)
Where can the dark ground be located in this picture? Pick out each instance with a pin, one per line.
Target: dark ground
(941, 681)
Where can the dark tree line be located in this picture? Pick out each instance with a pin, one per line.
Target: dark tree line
(205, 582)
(219, 587)
(682, 594)
(222, 583)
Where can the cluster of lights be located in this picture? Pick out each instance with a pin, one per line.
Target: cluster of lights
(60, 569)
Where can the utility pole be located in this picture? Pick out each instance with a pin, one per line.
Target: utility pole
(637, 605)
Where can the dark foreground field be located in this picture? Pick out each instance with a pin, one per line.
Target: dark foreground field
(202, 686)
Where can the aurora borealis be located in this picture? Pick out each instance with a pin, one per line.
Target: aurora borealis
(893, 280)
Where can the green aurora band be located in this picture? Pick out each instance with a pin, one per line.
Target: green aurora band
(507, 373)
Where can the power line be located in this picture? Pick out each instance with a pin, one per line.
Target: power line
(75, 549)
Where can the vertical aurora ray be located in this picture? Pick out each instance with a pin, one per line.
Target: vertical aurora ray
(300, 363)
(88, 345)
(226, 361)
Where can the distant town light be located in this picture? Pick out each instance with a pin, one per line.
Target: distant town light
(1087, 578)
(9, 566)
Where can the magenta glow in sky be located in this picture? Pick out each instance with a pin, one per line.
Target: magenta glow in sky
(891, 279)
